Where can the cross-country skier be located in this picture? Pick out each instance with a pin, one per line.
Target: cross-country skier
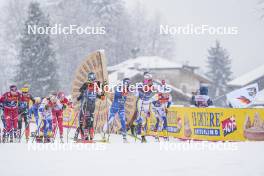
(118, 107)
(45, 112)
(89, 93)
(160, 102)
(59, 104)
(2, 118)
(23, 111)
(34, 111)
(145, 92)
(57, 119)
(10, 102)
(202, 99)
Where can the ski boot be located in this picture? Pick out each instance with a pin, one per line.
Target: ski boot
(4, 138)
(125, 139)
(75, 138)
(61, 139)
(47, 139)
(27, 139)
(166, 138)
(156, 135)
(11, 139)
(132, 128)
(157, 139)
(86, 135)
(104, 138)
(39, 138)
(143, 139)
(91, 132)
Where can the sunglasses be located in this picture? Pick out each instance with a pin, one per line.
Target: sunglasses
(13, 89)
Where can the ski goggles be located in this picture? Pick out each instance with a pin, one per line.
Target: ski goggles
(147, 81)
(13, 89)
(25, 90)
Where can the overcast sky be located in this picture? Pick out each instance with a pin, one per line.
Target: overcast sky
(246, 49)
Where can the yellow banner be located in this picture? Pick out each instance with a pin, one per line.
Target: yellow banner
(213, 124)
(69, 119)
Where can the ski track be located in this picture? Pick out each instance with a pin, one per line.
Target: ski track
(117, 158)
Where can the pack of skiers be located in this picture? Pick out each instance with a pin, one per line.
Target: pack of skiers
(17, 107)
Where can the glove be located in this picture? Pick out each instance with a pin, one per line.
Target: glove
(1, 112)
(80, 97)
(104, 84)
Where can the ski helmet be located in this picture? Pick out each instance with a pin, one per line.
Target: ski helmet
(147, 78)
(147, 75)
(25, 88)
(52, 98)
(91, 76)
(13, 88)
(203, 90)
(126, 81)
(60, 95)
(37, 100)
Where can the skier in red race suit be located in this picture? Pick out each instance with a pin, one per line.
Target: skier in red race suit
(24, 112)
(59, 104)
(10, 102)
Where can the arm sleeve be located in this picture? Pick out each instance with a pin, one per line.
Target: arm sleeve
(169, 101)
(81, 90)
(32, 99)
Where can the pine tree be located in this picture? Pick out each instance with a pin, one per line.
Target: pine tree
(219, 69)
(37, 64)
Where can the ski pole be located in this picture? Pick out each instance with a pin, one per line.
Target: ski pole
(99, 109)
(37, 130)
(56, 129)
(22, 134)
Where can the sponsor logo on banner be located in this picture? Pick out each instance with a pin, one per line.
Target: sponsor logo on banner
(213, 124)
(206, 123)
(229, 125)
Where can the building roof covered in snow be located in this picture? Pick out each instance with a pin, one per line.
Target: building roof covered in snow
(248, 78)
(260, 97)
(145, 62)
(116, 76)
(183, 79)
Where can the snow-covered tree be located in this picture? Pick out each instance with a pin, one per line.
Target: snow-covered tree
(219, 69)
(126, 29)
(12, 16)
(37, 64)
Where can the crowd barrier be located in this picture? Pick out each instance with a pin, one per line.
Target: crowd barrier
(213, 124)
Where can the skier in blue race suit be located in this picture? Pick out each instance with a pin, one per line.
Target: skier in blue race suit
(34, 110)
(46, 115)
(146, 90)
(118, 106)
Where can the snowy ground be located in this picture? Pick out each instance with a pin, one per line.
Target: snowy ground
(134, 158)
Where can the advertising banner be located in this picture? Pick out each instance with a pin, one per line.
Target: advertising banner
(213, 124)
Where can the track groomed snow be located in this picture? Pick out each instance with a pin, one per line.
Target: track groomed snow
(133, 158)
